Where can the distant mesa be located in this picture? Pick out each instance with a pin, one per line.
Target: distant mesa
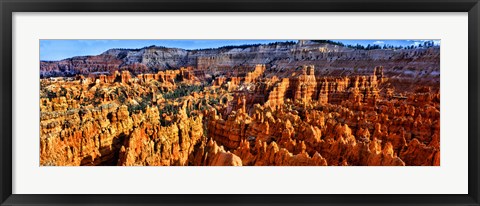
(280, 56)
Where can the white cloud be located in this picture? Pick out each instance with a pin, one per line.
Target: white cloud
(378, 42)
(416, 43)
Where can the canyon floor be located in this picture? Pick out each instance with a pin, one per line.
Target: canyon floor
(253, 115)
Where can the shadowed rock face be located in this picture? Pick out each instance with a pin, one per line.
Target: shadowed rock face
(242, 115)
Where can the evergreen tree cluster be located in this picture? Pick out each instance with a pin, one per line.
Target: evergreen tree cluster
(425, 44)
(182, 91)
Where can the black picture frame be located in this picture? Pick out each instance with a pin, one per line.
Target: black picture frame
(10, 6)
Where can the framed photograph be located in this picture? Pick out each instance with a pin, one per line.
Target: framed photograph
(248, 103)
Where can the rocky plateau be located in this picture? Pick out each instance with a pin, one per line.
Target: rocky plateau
(287, 104)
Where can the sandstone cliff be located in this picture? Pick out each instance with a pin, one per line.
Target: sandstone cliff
(280, 57)
(253, 115)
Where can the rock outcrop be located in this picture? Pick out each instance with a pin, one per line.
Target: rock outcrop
(282, 57)
(275, 114)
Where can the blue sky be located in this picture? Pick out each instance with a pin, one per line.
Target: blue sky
(388, 42)
(62, 49)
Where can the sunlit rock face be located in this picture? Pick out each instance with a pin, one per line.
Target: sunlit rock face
(365, 107)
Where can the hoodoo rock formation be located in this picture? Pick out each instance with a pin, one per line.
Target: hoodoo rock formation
(297, 104)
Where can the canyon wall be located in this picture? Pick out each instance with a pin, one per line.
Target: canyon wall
(279, 57)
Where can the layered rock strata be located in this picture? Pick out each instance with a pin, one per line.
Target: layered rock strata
(251, 118)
